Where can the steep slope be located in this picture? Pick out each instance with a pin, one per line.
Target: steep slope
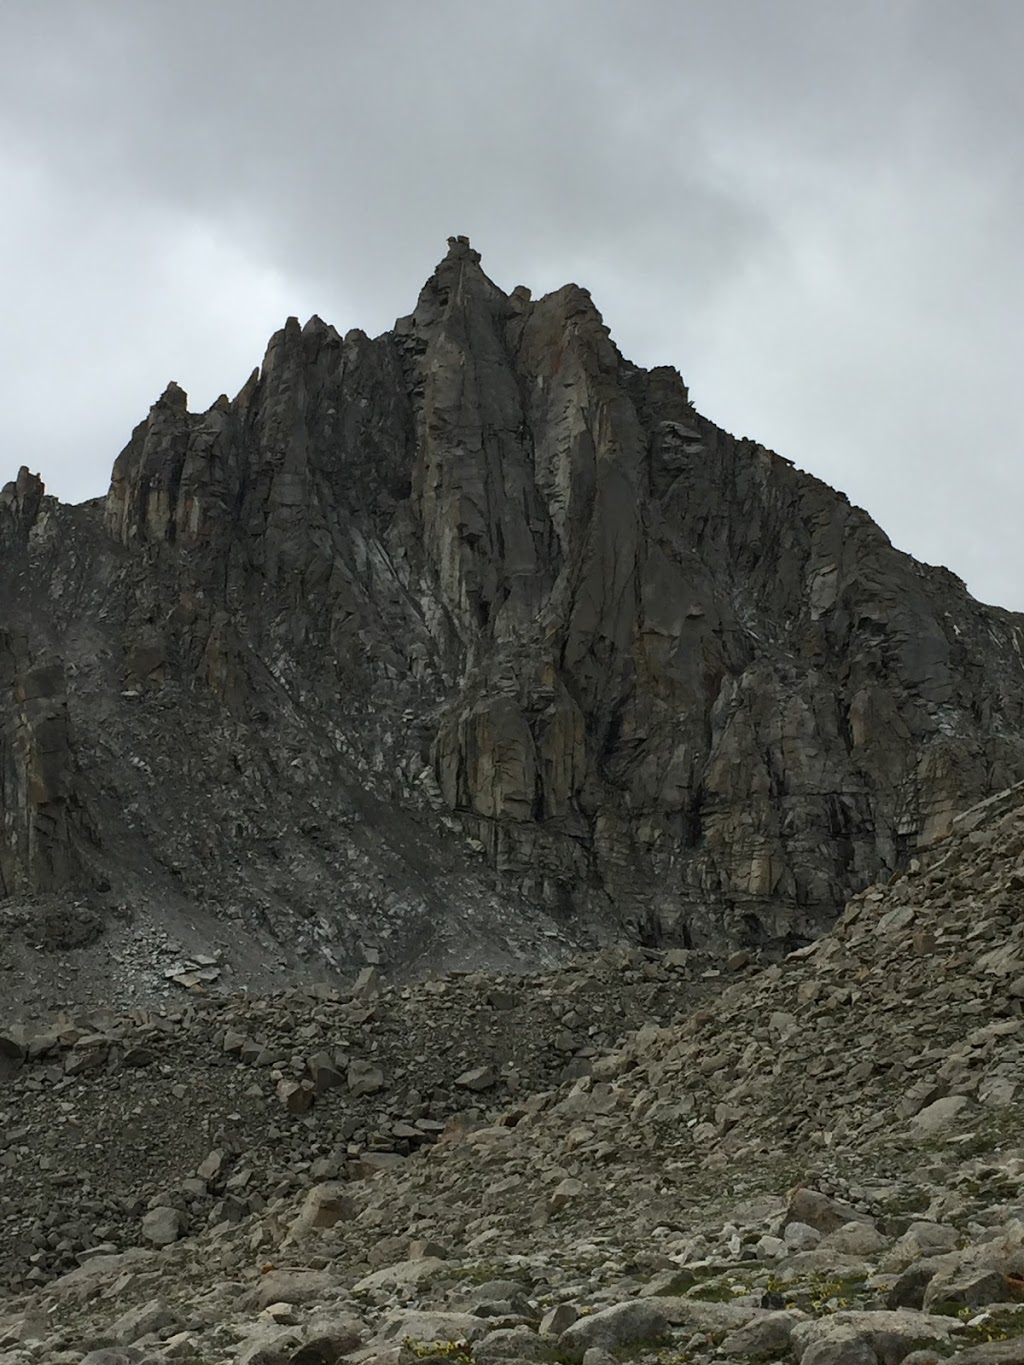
(477, 631)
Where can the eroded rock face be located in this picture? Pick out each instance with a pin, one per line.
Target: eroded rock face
(482, 584)
(37, 846)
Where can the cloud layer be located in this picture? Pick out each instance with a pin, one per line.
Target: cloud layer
(812, 209)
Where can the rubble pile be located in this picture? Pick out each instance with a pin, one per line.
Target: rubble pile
(642, 1156)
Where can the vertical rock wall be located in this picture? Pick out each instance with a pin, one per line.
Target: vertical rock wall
(665, 681)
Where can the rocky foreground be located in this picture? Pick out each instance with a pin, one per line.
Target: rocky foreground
(642, 1156)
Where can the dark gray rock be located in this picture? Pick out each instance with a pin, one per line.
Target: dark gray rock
(486, 630)
(38, 839)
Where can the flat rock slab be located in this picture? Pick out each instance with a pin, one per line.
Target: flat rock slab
(403, 1273)
(292, 1286)
(703, 1315)
(421, 1325)
(938, 1115)
(99, 1269)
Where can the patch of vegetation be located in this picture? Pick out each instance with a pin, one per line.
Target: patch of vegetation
(640, 1349)
(948, 1308)
(453, 1352)
(830, 1293)
(669, 1355)
(677, 1286)
(713, 1284)
(1005, 1326)
(716, 1291)
(553, 1354)
(822, 1294)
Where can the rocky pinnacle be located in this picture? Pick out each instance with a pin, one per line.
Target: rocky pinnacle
(471, 637)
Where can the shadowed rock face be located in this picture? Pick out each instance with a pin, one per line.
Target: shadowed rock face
(479, 617)
(35, 780)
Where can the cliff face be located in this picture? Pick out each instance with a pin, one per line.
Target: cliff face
(478, 619)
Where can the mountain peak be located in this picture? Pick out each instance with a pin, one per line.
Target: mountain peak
(475, 639)
(459, 249)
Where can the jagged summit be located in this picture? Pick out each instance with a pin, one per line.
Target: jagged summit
(476, 640)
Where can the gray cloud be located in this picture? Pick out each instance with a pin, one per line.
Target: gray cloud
(811, 208)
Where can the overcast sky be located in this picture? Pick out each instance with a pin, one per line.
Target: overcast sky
(813, 208)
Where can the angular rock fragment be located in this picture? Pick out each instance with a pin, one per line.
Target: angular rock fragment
(324, 1206)
(163, 1225)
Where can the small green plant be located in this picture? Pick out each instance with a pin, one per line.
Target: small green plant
(829, 1295)
(641, 1349)
(457, 1352)
(553, 1354)
(951, 1308)
(996, 1326)
(822, 1293)
(715, 1291)
(670, 1355)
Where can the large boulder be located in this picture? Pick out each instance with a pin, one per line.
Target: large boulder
(623, 1324)
(163, 1225)
(854, 1337)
